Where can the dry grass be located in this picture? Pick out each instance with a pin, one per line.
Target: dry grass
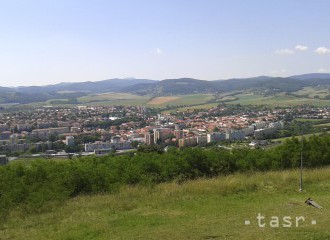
(161, 100)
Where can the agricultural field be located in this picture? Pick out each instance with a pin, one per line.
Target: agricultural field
(220, 208)
(184, 102)
(200, 106)
(277, 100)
(67, 91)
(180, 100)
(162, 100)
(113, 98)
(313, 92)
(108, 99)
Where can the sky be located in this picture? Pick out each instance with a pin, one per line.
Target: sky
(46, 42)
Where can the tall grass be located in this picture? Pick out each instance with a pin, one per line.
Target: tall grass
(196, 209)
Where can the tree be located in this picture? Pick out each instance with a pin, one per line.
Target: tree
(53, 137)
(134, 144)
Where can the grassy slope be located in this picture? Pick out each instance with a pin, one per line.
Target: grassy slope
(201, 209)
(313, 91)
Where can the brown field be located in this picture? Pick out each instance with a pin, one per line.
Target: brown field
(161, 100)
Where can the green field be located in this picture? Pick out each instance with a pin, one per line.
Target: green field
(200, 106)
(201, 209)
(126, 99)
(298, 137)
(113, 99)
(311, 92)
(323, 125)
(197, 101)
(277, 100)
(192, 101)
(109, 97)
(131, 99)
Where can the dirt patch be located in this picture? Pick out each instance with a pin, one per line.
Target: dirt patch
(161, 100)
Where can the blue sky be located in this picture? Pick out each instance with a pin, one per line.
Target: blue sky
(50, 41)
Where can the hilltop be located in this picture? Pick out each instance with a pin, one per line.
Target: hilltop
(167, 87)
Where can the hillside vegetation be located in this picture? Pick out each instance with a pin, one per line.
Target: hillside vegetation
(33, 186)
(197, 209)
(69, 93)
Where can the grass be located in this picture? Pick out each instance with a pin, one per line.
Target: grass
(200, 106)
(131, 99)
(311, 120)
(108, 96)
(200, 209)
(277, 100)
(323, 125)
(126, 99)
(113, 99)
(298, 137)
(127, 102)
(311, 92)
(192, 101)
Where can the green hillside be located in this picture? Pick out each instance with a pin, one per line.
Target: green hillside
(199, 209)
(190, 193)
(69, 93)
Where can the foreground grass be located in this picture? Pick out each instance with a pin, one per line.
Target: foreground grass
(200, 209)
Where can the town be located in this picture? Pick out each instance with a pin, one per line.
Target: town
(84, 130)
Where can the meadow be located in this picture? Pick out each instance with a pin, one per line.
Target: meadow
(279, 100)
(126, 99)
(113, 99)
(190, 193)
(199, 209)
(202, 106)
(184, 102)
(313, 92)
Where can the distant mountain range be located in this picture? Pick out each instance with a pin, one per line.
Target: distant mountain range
(160, 88)
(111, 85)
(312, 76)
(190, 86)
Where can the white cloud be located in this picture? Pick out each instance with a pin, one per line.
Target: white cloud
(322, 50)
(278, 72)
(321, 70)
(159, 51)
(284, 51)
(301, 48)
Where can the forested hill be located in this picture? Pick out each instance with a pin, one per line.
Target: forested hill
(160, 88)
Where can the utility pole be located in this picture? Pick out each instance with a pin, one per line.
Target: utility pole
(301, 157)
(301, 160)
